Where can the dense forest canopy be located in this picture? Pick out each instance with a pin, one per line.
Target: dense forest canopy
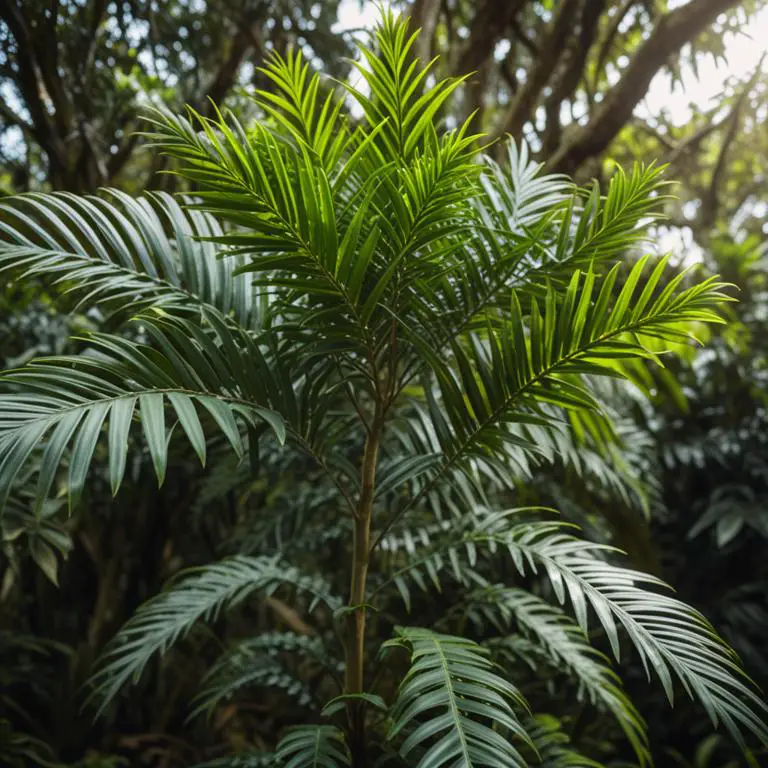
(332, 346)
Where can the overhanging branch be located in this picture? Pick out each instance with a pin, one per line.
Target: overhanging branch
(673, 31)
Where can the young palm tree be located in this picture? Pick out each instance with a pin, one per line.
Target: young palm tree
(416, 327)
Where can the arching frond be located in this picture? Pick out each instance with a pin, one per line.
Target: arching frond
(553, 746)
(592, 229)
(425, 215)
(256, 661)
(425, 554)
(313, 746)
(122, 254)
(504, 376)
(527, 363)
(517, 195)
(568, 648)
(527, 238)
(447, 700)
(198, 594)
(69, 399)
(261, 183)
(240, 668)
(670, 637)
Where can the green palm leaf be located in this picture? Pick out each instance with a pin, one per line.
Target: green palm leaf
(567, 647)
(237, 669)
(526, 363)
(670, 637)
(554, 746)
(295, 104)
(504, 376)
(313, 746)
(533, 230)
(446, 701)
(585, 228)
(517, 195)
(399, 99)
(198, 594)
(69, 399)
(122, 254)
(256, 661)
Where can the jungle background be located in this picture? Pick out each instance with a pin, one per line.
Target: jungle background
(587, 84)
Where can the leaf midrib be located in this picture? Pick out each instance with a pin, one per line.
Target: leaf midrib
(452, 704)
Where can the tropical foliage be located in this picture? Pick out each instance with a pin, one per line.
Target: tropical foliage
(384, 311)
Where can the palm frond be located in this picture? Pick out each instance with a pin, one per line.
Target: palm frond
(198, 594)
(425, 213)
(670, 637)
(590, 230)
(278, 195)
(239, 668)
(122, 254)
(553, 746)
(568, 648)
(421, 555)
(540, 361)
(70, 398)
(295, 104)
(257, 661)
(505, 375)
(400, 100)
(532, 231)
(313, 746)
(517, 195)
(446, 701)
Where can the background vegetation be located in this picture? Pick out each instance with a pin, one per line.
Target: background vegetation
(683, 495)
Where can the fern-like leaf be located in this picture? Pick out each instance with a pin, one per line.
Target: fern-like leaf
(447, 700)
(238, 669)
(567, 647)
(313, 746)
(122, 254)
(65, 401)
(199, 594)
(670, 637)
(553, 746)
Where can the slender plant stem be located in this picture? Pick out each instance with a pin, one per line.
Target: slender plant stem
(354, 682)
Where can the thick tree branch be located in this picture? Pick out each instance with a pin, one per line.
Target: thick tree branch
(672, 32)
(93, 17)
(247, 38)
(665, 141)
(490, 22)
(11, 118)
(523, 106)
(572, 72)
(521, 35)
(424, 16)
(30, 87)
(610, 36)
(46, 45)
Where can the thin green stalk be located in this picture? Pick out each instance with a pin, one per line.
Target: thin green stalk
(354, 682)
